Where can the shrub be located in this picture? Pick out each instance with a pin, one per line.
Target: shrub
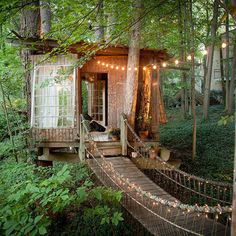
(32, 199)
(215, 143)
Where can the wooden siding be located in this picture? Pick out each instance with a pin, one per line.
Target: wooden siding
(55, 135)
(116, 81)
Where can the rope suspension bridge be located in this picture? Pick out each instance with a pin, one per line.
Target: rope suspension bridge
(165, 203)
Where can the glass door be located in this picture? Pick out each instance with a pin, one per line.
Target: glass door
(94, 97)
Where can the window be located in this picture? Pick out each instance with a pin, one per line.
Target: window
(53, 93)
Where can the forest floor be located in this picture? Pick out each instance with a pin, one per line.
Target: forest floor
(215, 143)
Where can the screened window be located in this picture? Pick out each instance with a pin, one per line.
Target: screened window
(53, 95)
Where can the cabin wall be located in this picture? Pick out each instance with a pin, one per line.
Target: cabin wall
(116, 81)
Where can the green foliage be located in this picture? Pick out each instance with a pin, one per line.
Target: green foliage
(32, 198)
(215, 144)
(224, 120)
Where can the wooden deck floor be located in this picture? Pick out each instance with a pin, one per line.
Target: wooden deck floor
(155, 222)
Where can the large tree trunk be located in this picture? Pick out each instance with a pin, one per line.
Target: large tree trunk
(99, 31)
(182, 53)
(222, 75)
(133, 66)
(232, 84)
(193, 102)
(45, 17)
(29, 28)
(30, 19)
(227, 69)
(145, 97)
(210, 60)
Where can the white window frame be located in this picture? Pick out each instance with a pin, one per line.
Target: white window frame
(72, 97)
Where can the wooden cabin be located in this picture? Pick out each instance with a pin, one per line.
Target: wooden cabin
(65, 86)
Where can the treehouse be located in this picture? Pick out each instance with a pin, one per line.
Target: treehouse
(92, 81)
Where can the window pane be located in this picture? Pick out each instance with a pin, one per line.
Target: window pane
(53, 93)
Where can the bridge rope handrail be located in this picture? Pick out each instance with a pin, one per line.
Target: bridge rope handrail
(138, 202)
(189, 208)
(218, 183)
(172, 168)
(218, 189)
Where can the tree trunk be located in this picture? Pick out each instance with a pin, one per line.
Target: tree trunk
(45, 17)
(30, 19)
(182, 56)
(4, 105)
(133, 66)
(227, 65)
(99, 31)
(233, 225)
(232, 84)
(30, 28)
(210, 60)
(222, 75)
(193, 96)
(145, 97)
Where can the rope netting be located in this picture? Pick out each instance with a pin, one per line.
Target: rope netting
(166, 217)
(192, 187)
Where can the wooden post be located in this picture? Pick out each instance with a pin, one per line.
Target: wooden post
(81, 142)
(123, 135)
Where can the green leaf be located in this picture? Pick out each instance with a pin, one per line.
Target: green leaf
(42, 230)
(37, 219)
(116, 218)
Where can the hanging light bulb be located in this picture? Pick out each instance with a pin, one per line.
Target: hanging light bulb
(123, 68)
(107, 65)
(144, 68)
(176, 62)
(129, 68)
(189, 58)
(103, 64)
(136, 68)
(112, 66)
(154, 67)
(164, 64)
(204, 52)
(98, 62)
(117, 67)
(224, 45)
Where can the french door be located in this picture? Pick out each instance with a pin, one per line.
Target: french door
(95, 100)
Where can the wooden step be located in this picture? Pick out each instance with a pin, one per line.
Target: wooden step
(105, 143)
(107, 148)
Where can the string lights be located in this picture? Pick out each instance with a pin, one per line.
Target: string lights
(164, 64)
(123, 68)
(224, 45)
(130, 186)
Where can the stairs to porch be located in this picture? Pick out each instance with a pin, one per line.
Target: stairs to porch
(107, 148)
